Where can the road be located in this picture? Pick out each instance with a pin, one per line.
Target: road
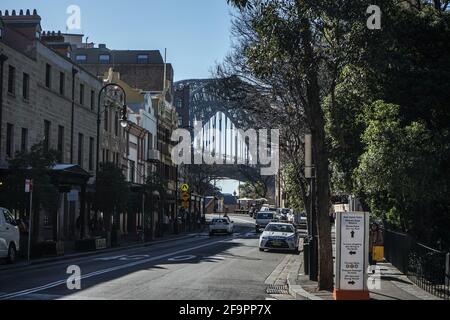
(197, 267)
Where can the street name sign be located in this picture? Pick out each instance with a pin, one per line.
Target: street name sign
(352, 252)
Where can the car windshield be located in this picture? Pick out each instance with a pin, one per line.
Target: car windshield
(285, 211)
(219, 221)
(265, 215)
(280, 228)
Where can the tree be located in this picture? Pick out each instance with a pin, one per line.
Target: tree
(34, 165)
(111, 196)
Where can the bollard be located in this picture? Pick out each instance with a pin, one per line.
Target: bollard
(306, 257)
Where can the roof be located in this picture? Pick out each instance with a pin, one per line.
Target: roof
(118, 56)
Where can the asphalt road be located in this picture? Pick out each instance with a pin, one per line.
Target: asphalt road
(199, 267)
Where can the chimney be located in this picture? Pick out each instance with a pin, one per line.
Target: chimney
(102, 46)
(27, 24)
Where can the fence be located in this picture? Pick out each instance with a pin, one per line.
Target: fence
(426, 267)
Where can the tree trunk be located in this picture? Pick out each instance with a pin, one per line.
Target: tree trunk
(315, 117)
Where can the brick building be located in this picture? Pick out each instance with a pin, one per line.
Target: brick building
(46, 97)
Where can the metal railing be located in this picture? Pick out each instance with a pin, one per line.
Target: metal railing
(428, 268)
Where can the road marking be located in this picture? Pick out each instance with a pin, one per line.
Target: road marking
(183, 258)
(242, 220)
(100, 272)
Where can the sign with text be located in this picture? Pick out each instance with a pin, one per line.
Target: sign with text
(352, 242)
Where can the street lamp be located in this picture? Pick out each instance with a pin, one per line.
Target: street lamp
(123, 121)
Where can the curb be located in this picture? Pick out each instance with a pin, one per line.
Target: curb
(298, 292)
(295, 289)
(25, 265)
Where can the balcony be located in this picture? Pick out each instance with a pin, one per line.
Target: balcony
(154, 156)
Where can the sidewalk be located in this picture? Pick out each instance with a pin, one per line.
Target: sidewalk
(20, 264)
(394, 284)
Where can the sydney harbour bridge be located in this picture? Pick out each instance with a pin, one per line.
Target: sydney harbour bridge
(223, 125)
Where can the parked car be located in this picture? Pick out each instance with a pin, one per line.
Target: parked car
(279, 236)
(263, 218)
(9, 236)
(221, 225)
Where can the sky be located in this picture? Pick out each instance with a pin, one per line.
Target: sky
(196, 33)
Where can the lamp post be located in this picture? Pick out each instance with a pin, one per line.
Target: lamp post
(123, 121)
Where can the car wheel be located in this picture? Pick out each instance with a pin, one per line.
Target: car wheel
(11, 254)
(261, 249)
(211, 234)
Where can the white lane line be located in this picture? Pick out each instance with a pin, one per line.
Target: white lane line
(242, 220)
(96, 273)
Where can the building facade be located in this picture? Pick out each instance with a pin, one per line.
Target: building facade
(47, 98)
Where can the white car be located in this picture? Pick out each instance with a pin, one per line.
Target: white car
(263, 218)
(221, 225)
(279, 236)
(9, 236)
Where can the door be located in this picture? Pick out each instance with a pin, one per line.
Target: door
(3, 236)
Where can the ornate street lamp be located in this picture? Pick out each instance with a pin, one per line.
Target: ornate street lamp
(123, 120)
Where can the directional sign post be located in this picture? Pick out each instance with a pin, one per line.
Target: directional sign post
(352, 256)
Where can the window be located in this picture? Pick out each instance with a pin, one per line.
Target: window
(142, 58)
(24, 140)
(80, 149)
(92, 99)
(81, 93)
(180, 122)
(61, 143)
(12, 80)
(9, 140)
(116, 124)
(81, 58)
(132, 171)
(62, 83)
(26, 86)
(48, 76)
(47, 125)
(150, 141)
(106, 120)
(179, 103)
(103, 58)
(91, 154)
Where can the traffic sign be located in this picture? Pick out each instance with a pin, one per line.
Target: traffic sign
(184, 187)
(28, 186)
(185, 196)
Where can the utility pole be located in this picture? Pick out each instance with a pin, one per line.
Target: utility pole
(312, 219)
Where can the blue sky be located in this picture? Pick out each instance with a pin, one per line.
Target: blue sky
(196, 33)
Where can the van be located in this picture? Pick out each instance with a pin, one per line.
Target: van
(9, 236)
